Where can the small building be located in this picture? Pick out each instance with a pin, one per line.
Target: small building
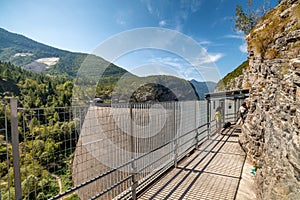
(228, 101)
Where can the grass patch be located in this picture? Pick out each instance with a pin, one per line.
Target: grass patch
(273, 24)
(284, 69)
(271, 54)
(223, 83)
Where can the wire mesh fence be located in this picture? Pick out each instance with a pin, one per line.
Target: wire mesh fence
(48, 138)
(98, 152)
(131, 142)
(5, 154)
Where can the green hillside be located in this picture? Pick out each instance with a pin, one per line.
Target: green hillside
(34, 90)
(223, 84)
(25, 52)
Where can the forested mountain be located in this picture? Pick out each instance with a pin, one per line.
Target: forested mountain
(37, 57)
(34, 90)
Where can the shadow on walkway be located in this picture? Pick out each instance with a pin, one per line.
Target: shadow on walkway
(213, 171)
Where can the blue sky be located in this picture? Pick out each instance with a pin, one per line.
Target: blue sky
(81, 25)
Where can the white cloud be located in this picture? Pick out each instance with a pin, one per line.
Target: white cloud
(175, 62)
(162, 23)
(149, 8)
(208, 59)
(185, 69)
(243, 47)
(204, 42)
(238, 36)
(216, 57)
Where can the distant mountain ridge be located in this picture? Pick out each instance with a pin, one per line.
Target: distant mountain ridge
(40, 58)
(203, 88)
(37, 57)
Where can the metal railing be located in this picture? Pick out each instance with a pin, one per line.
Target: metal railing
(98, 152)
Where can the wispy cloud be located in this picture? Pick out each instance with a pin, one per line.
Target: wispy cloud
(219, 6)
(209, 58)
(185, 69)
(243, 48)
(121, 22)
(204, 42)
(174, 62)
(174, 66)
(150, 5)
(190, 6)
(121, 17)
(175, 17)
(234, 36)
(239, 36)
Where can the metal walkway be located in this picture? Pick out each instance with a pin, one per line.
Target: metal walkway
(213, 172)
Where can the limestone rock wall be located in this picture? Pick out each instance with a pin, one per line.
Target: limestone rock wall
(271, 134)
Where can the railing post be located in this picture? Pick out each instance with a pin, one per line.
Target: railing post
(15, 147)
(235, 111)
(175, 144)
(133, 151)
(196, 128)
(208, 118)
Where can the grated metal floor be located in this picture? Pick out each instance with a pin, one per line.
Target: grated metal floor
(212, 172)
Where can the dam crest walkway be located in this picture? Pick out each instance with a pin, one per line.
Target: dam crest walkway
(218, 169)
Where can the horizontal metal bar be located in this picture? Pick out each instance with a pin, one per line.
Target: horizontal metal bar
(187, 151)
(88, 182)
(202, 140)
(110, 188)
(152, 176)
(190, 132)
(202, 125)
(187, 142)
(202, 132)
(50, 108)
(156, 160)
(169, 142)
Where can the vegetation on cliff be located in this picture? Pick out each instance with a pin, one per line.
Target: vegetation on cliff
(227, 82)
(271, 28)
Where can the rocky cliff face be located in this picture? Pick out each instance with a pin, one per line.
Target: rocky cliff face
(271, 134)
